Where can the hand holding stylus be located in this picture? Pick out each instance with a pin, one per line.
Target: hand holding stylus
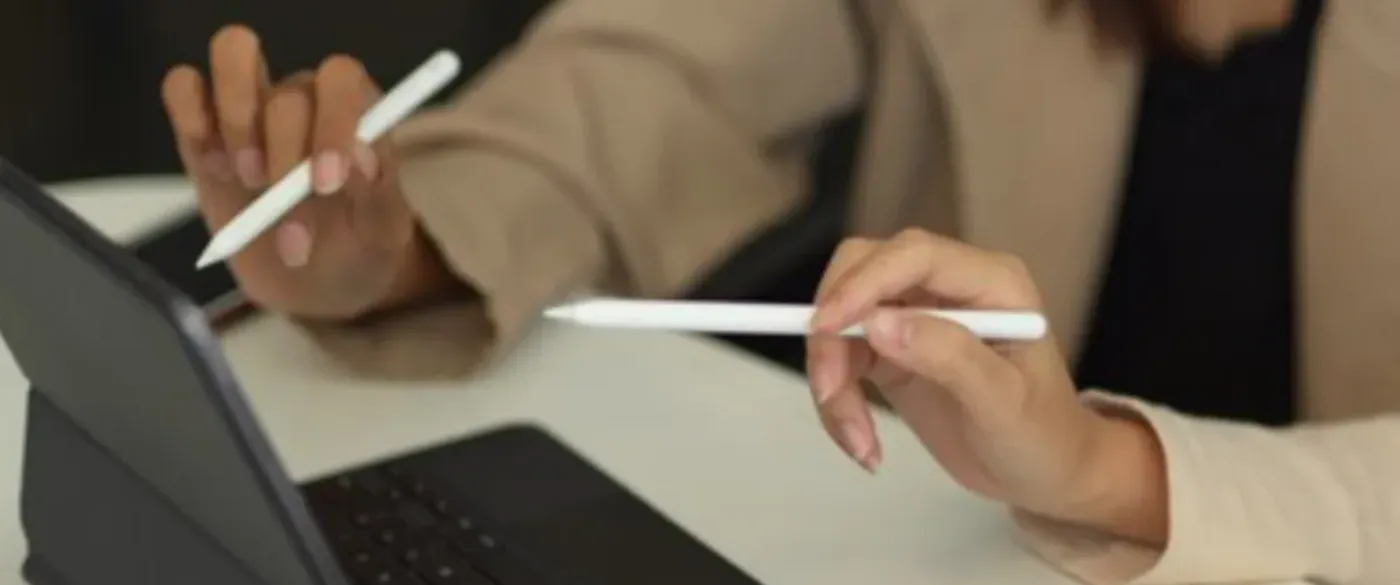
(1004, 420)
(339, 255)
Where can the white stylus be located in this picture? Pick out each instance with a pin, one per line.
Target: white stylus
(411, 93)
(768, 319)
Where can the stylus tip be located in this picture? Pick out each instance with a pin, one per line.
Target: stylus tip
(207, 259)
(559, 312)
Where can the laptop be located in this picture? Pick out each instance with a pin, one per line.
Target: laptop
(133, 363)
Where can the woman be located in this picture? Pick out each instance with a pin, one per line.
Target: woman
(629, 144)
(1113, 490)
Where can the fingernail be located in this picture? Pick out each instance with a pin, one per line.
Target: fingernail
(366, 161)
(251, 171)
(294, 244)
(871, 462)
(328, 173)
(218, 165)
(858, 445)
(890, 328)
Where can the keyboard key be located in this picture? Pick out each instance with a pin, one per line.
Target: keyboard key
(456, 527)
(370, 565)
(474, 545)
(415, 516)
(333, 526)
(395, 576)
(411, 555)
(329, 493)
(442, 507)
(414, 551)
(348, 542)
(373, 483)
(389, 537)
(448, 571)
(369, 519)
(388, 528)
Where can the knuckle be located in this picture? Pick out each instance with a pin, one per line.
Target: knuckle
(854, 244)
(914, 237)
(1019, 275)
(941, 344)
(847, 253)
(1013, 264)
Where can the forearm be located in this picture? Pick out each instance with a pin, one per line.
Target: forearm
(1233, 502)
(623, 145)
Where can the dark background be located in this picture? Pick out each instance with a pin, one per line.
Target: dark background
(80, 84)
(81, 78)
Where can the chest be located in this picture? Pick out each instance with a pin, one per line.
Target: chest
(1026, 131)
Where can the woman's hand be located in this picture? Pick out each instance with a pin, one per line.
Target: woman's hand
(334, 257)
(1004, 420)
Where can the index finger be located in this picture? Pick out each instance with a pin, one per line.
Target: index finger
(829, 357)
(944, 268)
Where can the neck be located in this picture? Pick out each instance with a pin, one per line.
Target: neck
(1213, 27)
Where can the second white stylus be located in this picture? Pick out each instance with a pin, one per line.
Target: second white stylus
(768, 319)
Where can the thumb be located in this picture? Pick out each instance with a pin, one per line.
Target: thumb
(945, 354)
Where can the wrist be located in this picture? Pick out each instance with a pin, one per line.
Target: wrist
(1126, 474)
(423, 277)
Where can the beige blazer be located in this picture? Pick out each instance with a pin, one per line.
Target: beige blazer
(627, 145)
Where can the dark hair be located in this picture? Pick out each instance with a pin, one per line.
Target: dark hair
(1137, 24)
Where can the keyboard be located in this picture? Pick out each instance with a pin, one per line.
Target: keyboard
(389, 527)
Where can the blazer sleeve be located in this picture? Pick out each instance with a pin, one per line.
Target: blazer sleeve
(622, 145)
(1309, 504)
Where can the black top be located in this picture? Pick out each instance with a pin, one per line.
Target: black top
(1196, 309)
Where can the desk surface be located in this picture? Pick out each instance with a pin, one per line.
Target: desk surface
(726, 445)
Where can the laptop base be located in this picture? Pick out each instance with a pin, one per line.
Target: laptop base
(91, 521)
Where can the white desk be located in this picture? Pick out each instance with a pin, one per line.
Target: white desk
(724, 444)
